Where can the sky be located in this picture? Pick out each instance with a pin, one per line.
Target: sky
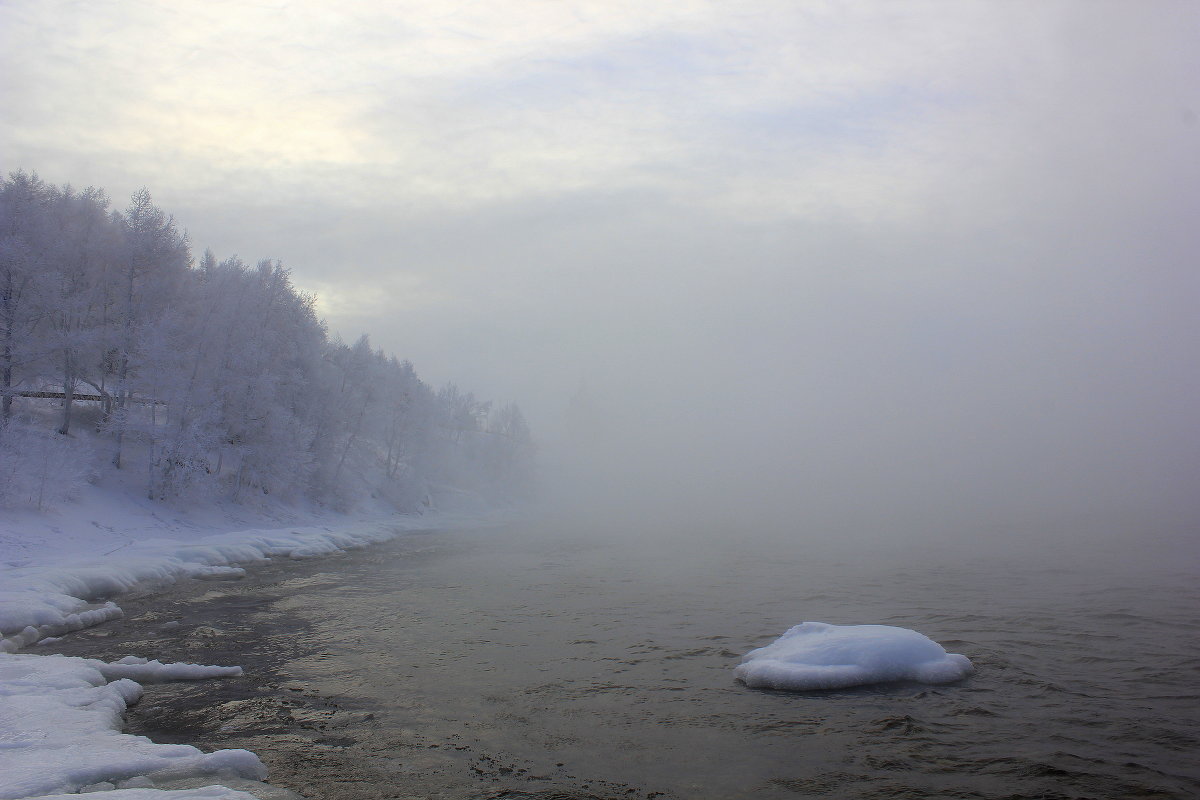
(921, 264)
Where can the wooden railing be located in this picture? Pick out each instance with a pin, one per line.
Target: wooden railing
(94, 398)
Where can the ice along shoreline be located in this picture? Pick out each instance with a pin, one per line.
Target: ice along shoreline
(61, 727)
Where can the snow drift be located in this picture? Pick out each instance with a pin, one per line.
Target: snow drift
(815, 655)
(37, 602)
(60, 722)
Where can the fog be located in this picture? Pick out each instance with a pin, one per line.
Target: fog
(883, 277)
(1036, 393)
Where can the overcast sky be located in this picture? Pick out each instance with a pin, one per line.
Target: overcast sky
(896, 254)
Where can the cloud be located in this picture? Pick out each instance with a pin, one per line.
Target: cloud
(457, 105)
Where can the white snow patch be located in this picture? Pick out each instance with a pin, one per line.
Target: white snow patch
(146, 671)
(60, 722)
(815, 655)
(37, 602)
(136, 793)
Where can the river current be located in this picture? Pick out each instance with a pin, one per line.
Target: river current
(504, 664)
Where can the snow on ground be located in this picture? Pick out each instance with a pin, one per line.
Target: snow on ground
(61, 721)
(204, 793)
(815, 655)
(61, 717)
(115, 513)
(56, 598)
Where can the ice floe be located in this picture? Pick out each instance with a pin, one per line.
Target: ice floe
(816, 655)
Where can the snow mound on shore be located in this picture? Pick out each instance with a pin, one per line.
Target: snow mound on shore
(203, 793)
(60, 722)
(37, 602)
(815, 655)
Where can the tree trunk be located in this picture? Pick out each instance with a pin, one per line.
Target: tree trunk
(6, 372)
(68, 395)
(123, 370)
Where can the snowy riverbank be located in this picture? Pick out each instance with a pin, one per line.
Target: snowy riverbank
(61, 717)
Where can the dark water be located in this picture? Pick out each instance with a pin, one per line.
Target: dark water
(502, 664)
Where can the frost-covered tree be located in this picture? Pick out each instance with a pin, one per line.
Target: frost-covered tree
(217, 378)
(153, 261)
(510, 452)
(84, 245)
(264, 409)
(26, 216)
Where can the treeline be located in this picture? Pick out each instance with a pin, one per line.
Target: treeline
(215, 379)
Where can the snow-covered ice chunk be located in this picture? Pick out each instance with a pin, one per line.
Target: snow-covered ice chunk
(146, 671)
(44, 616)
(815, 655)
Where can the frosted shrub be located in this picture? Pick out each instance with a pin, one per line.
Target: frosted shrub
(179, 465)
(278, 464)
(39, 468)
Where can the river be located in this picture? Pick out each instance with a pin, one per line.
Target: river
(509, 664)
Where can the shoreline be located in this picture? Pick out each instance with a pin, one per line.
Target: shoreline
(289, 724)
(87, 747)
(321, 733)
(178, 622)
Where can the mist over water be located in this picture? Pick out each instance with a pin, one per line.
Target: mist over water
(959, 473)
(876, 389)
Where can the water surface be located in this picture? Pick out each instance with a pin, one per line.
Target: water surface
(509, 664)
